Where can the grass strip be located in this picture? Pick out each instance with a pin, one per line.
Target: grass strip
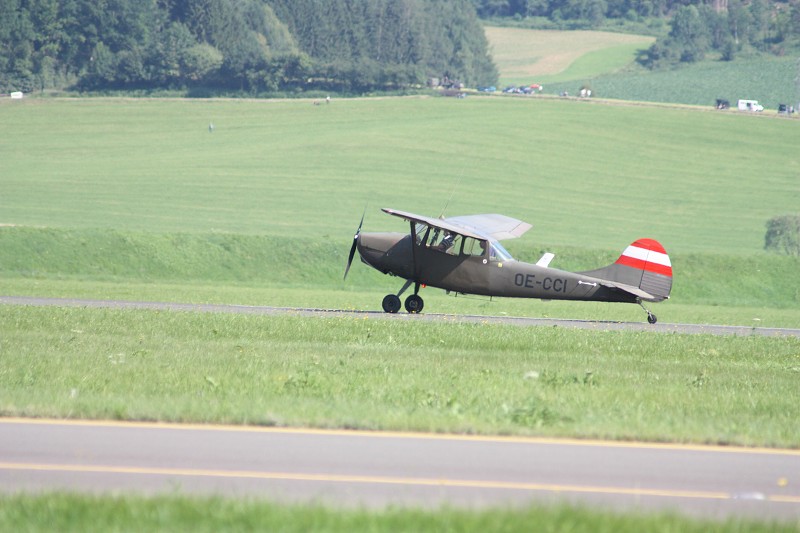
(396, 375)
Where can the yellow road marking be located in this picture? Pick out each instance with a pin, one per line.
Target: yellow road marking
(404, 435)
(287, 476)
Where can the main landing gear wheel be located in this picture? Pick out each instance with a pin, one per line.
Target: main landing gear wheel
(414, 304)
(391, 303)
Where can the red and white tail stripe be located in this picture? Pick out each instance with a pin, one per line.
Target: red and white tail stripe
(647, 255)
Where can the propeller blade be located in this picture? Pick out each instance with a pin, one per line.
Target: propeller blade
(355, 245)
(350, 259)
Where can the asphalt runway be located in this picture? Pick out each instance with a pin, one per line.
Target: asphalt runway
(375, 470)
(310, 312)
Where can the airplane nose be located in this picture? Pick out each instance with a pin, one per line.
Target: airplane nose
(380, 250)
(374, 245)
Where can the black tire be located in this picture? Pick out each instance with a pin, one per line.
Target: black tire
(414, 304)
(391, 303)
(652, 318)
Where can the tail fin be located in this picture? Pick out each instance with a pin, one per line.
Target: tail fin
(644, 264)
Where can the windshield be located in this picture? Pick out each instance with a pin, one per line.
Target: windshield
(498, 253)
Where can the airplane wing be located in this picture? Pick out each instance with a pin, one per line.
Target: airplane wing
(436, 223)
(498, 227)
(482, 227)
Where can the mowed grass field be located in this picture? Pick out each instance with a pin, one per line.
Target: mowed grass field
(399, 375)
(139, 200)
(585, 175)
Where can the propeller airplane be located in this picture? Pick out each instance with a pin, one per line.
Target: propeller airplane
(463, 255)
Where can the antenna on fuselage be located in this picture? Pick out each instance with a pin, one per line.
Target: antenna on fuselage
(452, 193)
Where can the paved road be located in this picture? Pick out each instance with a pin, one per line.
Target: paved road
(517, 321)
(353, 468)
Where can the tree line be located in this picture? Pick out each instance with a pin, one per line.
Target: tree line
(696, 28)
(239, 45)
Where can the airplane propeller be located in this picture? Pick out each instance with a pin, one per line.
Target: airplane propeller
(355, 244)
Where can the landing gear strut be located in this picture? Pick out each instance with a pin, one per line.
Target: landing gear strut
(414, 303)
(651, 318)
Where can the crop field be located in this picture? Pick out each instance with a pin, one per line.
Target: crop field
(142, 200)
(564, 61)
(546, 56)
(771, 81)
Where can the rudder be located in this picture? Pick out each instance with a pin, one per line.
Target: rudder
(647, 261)
(643, 264)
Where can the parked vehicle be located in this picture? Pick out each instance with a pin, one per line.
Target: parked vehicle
(750, 105)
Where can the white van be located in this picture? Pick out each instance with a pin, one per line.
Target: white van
(750, 105)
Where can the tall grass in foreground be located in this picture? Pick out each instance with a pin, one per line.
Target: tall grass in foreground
(398, 374)
(67, 513)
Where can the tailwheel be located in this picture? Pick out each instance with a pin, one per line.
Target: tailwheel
(391, 303)
(651, 318)
(414, 304)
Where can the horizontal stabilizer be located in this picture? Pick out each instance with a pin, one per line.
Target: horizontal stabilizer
(639, 293)
(544, 261)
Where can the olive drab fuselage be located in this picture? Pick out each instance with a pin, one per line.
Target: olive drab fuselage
(464, 255)
(394, 254)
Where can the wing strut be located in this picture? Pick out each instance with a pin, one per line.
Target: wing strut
(413, 236)
(405, 287)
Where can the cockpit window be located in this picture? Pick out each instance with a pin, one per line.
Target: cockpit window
(454, 244)
(438, 239)
(474, 247)
(422, 232)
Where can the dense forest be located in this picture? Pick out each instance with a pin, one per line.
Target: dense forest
(695, 29)
(350, 46)
(239, 45)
